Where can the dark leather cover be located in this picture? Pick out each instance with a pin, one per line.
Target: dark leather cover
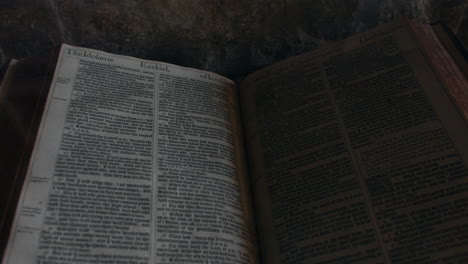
(21, 110)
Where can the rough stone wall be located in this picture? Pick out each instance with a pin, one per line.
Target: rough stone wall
(231, 37)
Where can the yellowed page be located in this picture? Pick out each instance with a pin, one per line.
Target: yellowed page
(357, 155)
(135, 162)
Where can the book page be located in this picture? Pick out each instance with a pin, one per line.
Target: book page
(357, 155)
(135, 162)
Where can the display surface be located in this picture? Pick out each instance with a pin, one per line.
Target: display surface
(356, 152)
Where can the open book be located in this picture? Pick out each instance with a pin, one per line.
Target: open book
(353, 153)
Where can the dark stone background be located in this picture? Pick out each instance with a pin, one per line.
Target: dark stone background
(230, 37)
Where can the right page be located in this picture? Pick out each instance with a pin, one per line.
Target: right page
(358, 154)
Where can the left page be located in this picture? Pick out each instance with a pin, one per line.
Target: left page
(135, 161)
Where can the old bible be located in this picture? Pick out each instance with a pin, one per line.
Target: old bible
(356, 152)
